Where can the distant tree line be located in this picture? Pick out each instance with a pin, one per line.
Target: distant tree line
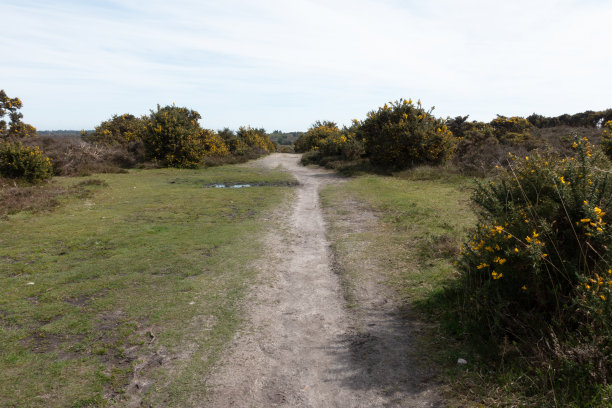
(285, 138)
(584, 119)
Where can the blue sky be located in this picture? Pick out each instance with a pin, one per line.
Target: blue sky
(285, 64)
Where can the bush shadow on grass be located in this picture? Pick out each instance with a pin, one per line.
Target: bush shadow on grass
(381, 358)
(363, 166)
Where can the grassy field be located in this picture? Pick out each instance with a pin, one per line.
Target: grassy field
(131, 290)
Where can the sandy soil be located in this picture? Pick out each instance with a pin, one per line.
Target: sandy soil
(303, 347)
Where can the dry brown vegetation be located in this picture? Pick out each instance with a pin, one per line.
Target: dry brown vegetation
(75, 157)
(40, 197)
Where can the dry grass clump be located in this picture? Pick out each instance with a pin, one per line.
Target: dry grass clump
(75, 157)
(17, 196)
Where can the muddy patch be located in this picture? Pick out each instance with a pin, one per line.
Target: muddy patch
(78, 301)
(65, 346)
(236, 184)
(245, 185)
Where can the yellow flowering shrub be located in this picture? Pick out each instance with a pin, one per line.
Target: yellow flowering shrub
(213, 144)
(343, 144)
(402, 133)
(28, 163)
(324, 142)
(249, 138)
(14, 128)
(120, 129)
(515, 124)
(172, 137)
(313, 138)
(539, 260)
(513, 131)
(606, 139)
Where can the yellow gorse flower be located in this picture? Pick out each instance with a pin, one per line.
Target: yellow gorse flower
(496, 275)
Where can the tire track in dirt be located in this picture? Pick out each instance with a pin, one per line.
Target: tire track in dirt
(303, 348)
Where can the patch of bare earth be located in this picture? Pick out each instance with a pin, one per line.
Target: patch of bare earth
(303, 346)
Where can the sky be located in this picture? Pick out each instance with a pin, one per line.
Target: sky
(283, 65)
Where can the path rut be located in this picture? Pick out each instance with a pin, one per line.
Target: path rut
(303, 348)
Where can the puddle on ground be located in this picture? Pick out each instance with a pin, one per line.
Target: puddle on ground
(229, 186)
(239, 184)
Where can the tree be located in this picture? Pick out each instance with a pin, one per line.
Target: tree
(15, 128)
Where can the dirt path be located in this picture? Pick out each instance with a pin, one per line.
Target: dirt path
(303, 348)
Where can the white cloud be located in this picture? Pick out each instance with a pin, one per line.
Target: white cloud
(282, 64)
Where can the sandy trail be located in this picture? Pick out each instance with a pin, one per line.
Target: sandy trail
(303, 348)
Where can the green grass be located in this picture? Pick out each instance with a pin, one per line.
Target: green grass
(425, 215)
(150, 267)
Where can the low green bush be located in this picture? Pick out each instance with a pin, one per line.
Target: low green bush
(23, 162)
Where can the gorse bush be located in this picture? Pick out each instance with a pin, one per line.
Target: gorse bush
(326, 144)
(343, 144)
(213, 144)
(248, 142)
(515, 124)
(538, 269)
(120, 129)
(315, 135)
(172, 137)
(513, 131)
(606, 139)
(19, 161)
(402, 134)
(14, 128)
(251, 138)
(396, 136)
